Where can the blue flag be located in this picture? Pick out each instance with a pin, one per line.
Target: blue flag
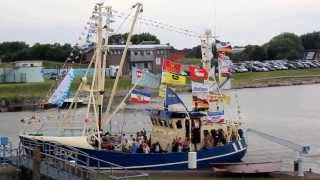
(173, 98)
(61, 93)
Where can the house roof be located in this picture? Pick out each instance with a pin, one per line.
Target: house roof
(142, 46)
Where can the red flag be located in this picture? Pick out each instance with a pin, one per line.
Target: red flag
(198, 72)
(169, 66)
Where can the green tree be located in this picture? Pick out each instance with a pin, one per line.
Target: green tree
(255, 52)
(284, 46)
(12, 51)
(311, 40)
(135, 39)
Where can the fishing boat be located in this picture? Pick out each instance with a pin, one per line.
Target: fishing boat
(175, 135)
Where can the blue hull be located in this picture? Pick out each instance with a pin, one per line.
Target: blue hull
(232, 152)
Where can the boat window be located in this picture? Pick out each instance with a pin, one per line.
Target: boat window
(179, 124)
(161, 123)
(206, 132)
(153, 121)
(156, 121)
(166, 124)
(170, 124)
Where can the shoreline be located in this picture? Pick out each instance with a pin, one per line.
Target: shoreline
(30, 103)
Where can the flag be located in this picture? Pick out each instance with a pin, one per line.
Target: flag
(199, 87)
(216, 117)
(144, 78)
(217, 98)
(170, 78)
(173, 98)
(199, 104)
(223, 46)
(61, 93)
(169, 66)
(225, 67)
(198, 72)
(138, 96)
(162, 90)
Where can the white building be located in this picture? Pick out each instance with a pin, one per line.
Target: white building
(28, 64)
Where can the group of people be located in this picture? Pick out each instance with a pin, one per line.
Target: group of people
(139, 144)
(219, 137)
(179, 145)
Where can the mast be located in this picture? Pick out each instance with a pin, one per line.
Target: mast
(138, 7)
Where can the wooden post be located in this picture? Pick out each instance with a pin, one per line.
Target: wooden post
(36, 159)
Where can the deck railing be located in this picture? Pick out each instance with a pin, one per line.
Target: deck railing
(75, 161)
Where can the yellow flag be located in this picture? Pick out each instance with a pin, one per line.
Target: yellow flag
(162, 90)
(170, 78)
(226, 99)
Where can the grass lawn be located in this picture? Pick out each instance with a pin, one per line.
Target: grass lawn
(18, 91)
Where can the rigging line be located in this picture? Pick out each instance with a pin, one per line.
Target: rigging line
(122, 23)
(159, 26)
(158, 22)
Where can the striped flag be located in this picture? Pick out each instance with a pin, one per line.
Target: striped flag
(138, 96)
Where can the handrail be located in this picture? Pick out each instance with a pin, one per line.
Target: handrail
(67, 154)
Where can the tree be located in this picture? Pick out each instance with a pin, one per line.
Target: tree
(135, 39)
(12, 51)
(284, 46)
(194, 52)
(255, 52)
(311, 40)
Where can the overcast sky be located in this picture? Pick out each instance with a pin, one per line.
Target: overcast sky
(241, 22)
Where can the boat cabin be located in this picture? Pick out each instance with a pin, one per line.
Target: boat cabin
(170, 127)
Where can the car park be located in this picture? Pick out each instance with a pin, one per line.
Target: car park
(273, 65)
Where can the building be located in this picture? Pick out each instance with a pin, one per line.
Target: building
(22, 72)
(27, 64)
(148, 56)
(313, 54)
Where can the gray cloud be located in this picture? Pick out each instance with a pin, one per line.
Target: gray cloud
(240, 22)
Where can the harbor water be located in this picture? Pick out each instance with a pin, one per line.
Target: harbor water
(291, 112)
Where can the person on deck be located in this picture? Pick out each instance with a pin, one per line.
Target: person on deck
(206, 140)
(146, 148)
(215, 137)
(134, 146)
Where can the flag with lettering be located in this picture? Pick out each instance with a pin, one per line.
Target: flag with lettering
(61, 93)
(173, 79)
(216, 117)
(169, 66)
(223, 46)
(199, 87)
(198, 72)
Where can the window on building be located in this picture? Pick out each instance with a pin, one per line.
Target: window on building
(148, 53)
(145, 65)
(142, 53)
(135, 53)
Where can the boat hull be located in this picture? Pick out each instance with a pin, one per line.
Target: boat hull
(232, 152)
